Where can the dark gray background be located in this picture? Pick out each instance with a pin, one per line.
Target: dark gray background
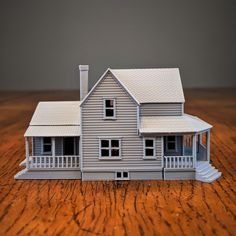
(43, 41)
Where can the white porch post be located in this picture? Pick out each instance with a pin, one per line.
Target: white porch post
(27, 152)
(208, 136)
(53, 147)
(200, 138)
(194, 150)
(53, 151)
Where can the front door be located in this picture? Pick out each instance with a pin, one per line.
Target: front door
(69, 146)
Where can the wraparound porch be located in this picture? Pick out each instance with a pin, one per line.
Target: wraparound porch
(186, 150)
(186, 139)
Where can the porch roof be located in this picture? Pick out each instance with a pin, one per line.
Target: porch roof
(172, 124)
(57, 113)
(53, 131)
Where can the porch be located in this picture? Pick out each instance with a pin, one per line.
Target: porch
(185, 151)
(186, 146)
(52, 148)
(52, 142)
(45, 153)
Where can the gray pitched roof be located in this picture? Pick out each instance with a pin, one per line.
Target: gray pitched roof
(172, 124)
(152, 85)
(55, 119)
(57, 113)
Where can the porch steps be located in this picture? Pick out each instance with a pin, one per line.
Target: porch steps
(48, 174)
(205, 172)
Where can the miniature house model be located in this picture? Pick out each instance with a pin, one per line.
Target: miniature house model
(130, 126)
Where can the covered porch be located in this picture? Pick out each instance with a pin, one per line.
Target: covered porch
(52, 148)
(186, 150)
(186, 140)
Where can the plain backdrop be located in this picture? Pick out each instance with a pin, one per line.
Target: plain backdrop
(43, 41)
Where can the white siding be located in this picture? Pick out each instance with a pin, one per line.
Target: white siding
(161, 109)
(125, 126)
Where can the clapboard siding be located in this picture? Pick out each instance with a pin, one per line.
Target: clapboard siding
(124, 126)
(37, 146)
(161, 109)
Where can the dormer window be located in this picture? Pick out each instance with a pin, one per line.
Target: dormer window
(109, 108)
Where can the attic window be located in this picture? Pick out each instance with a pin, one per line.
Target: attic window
(109, 111)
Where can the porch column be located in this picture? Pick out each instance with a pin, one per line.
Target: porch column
(194, 150)
(200, 138)
(208, 135)
(53, 147)
(27, 152)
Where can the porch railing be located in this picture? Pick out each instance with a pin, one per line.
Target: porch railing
(179, 162)
(54, 162)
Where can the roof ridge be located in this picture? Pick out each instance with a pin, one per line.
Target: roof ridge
(152, 68)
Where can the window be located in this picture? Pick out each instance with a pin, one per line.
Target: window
(122, 175)
(110, 148)
(47, 145)
(109, 109)
(125, 174)
(171, 143)
(149, 148)
(118, 175)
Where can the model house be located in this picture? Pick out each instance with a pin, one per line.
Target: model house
(130, 126)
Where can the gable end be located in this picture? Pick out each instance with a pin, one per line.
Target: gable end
(105, 74)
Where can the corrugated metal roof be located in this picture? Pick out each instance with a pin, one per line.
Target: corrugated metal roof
(57, 113)
(152, 85)
(172, 124)
(52, 131)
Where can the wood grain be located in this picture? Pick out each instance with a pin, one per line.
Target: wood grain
(59, 207)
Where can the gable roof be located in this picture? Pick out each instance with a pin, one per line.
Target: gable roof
(152, 85)
(100, 80)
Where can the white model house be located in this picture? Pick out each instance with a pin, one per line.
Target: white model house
(130, 126)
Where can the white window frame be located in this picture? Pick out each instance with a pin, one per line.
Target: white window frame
(110, 157)
(122, 175)
(153, 147)
(175, 141)
(43, 144)
(111, 108)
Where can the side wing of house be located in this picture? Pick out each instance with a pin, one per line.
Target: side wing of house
(52, 142)
(111, 147)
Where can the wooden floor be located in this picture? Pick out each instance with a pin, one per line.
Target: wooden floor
(124, 208)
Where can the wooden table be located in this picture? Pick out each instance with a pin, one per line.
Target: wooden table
(71, 207)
